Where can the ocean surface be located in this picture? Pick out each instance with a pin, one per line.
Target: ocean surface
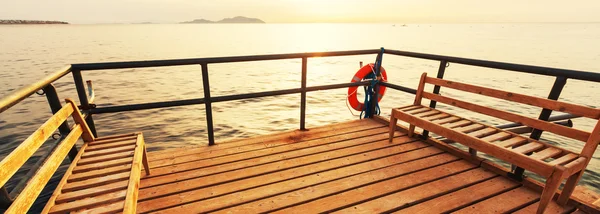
(29, 52)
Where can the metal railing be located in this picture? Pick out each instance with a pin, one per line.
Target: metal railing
(45, 84)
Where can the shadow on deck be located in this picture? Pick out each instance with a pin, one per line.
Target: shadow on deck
(345, 167)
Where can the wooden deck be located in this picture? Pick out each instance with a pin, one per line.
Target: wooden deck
(345, 168)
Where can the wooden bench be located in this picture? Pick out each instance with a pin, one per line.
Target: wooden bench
(104, 176)
(551, 162)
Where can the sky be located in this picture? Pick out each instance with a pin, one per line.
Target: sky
(304, 11)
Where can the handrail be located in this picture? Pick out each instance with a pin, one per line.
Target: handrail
(213, 60)
(21, 94)
(557, 72)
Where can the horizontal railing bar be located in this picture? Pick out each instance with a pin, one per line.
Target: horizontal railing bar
(399, 87)
(145, 106)
(557, 72)
(194, 61)
(21, 94)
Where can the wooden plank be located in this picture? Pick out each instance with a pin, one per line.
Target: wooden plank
(99, 173)
(134, 179)
(527, 148)
(95, 182)
(103, 138)
(13, 161)
(463, 197)
(503, 203)
(431, 112)
(417, 194)
(447, 120)
(102, 165)
(92, 191)
(552, 208)
(564, 159)
(315, 199)
(112, 140)
(496, 137)
(260, 166)
(483, 132)
(202, 188)
(419, 110)
(437, 117)
(457, 124)
(267, 140)
(111, 145)
(261, 191)
(89, 202)
(521, 160)
(534, 123)
(58, 190)
(108, 151)
(106, 157)
(36, 184)
(103, 209)
(515, 141)
(238, 161)
(470, 128)
(546, 153)
(520, 98)
(260, 151)
(409, 107)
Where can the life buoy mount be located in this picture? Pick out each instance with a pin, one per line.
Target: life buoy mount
(359, 76)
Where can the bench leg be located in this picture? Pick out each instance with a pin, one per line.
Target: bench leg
(568, 188)
(411, 130)
(393, 122)
(145, 161)
(552, 184)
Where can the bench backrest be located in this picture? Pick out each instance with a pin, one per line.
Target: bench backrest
(15, 160)
(591, 139)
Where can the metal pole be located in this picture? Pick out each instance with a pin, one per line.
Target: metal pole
(436, 90)
(375, 94)
(208, 105)
(303, 96)
(83, 99)
(55, 106)
(557, 88)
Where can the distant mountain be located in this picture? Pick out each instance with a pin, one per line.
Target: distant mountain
(30, 22)
(237, 19)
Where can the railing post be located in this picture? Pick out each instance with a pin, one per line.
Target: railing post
(436, 90)
(303, 96)
(83, 99)
(557, 88)
(208, 105)
(55, 106)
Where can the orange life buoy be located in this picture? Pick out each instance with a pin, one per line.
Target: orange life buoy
(359, 76)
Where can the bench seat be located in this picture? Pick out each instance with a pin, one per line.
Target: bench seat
(522, 151)
(104, 177)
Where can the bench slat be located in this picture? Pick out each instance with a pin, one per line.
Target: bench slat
(484, 132)
(89, 202)
(458, 124)
(527, 148)
(496, 137)
(447, 120)
(535, 123)
(519, 98)
(515, 141)
(438, 116)
(546, 153)
(470, 128)
(564, 159)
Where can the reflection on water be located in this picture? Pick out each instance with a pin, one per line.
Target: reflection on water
(29, 52)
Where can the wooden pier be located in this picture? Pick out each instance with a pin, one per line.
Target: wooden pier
(346, 167)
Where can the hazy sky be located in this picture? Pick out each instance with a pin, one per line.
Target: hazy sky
(283, 11)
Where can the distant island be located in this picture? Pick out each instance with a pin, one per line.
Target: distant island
(237, 19)
(30, 22)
